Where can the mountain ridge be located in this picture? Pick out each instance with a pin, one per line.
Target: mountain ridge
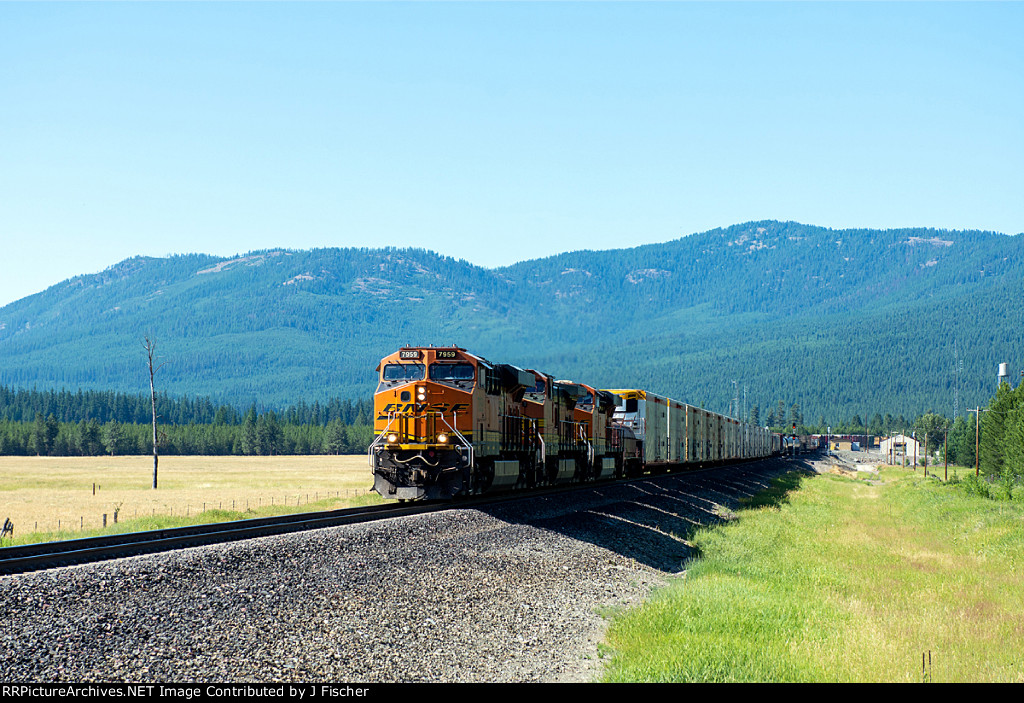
(280, 325)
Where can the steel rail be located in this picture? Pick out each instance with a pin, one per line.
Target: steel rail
(33, 557)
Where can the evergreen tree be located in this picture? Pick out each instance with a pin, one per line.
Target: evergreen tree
(993, 430)
(90, 441)
(44, 434)
(268, 433)
(40, 443)
(250, 442)
(877, 426)
(1013, 452)
(337, 437)
(114, 438)
(960, 444)
(52, 430)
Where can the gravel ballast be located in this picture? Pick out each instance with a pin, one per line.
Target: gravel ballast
(513, 593)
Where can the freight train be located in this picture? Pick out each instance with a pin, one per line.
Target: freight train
(450, 423)
(802, 444)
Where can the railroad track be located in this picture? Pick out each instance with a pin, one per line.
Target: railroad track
(48, 555)
(33, 557)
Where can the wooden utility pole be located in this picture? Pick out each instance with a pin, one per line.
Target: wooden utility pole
(924, 459)
(977, 431)
(150, 346)
(945, 454)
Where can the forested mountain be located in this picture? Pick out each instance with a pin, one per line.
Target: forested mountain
(840, 322)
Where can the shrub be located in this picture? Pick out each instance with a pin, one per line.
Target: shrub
(1003, 488)
(976, 485)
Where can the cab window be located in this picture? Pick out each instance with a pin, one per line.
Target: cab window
(404, 372)
(452, 372)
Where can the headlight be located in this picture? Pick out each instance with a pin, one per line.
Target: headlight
(442, 438)
(421, 394)
(392, 438)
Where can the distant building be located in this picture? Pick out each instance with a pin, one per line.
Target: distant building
(900, 446)
(859, 439)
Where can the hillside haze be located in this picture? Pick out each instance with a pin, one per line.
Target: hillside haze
(837, 321)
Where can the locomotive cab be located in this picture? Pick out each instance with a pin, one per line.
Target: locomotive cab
(423, 422)
(448, 423)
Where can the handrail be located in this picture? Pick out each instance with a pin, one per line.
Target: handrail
(369, 450)
(465, 442)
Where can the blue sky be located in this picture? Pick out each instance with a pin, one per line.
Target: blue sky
(493, 132)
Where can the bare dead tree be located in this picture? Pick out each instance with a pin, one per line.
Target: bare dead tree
(150, 346)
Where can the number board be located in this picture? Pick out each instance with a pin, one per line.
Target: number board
(409, 354)
(446, 354)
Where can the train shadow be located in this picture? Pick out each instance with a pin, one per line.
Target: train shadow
(652, 521)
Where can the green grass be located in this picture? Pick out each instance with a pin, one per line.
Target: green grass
(840, 579)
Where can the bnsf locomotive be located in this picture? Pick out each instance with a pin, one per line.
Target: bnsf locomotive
(450, 423)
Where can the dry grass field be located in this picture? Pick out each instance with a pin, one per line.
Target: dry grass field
(38, 493)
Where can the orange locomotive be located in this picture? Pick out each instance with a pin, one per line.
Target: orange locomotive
(450, 423)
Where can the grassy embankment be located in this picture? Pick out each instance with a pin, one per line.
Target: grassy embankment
(842, 579)
(53, 498)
